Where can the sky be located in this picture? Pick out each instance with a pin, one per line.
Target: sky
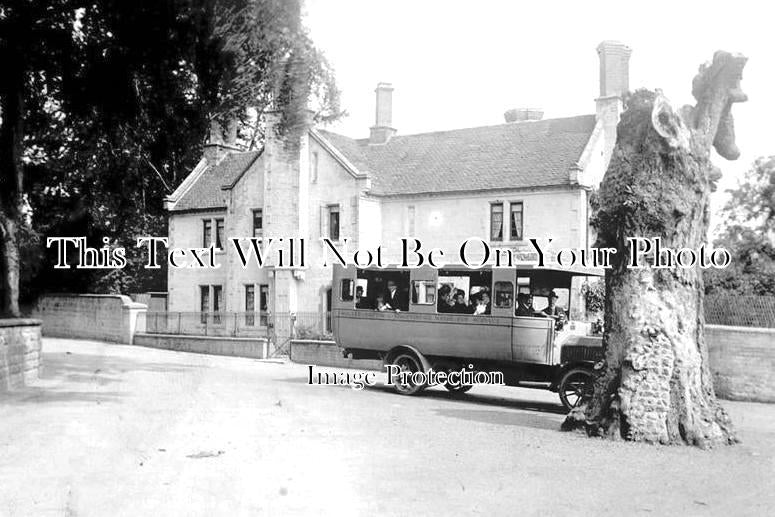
(458, 64)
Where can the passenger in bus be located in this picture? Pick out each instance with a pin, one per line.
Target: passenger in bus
(482, 305)
(461, 307)
(396, 300)
(361, 302)
(446, 302)
(524, 305)
(380, 304)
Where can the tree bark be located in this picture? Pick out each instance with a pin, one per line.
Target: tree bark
(11, 177)
(10, 267)
(656, 385)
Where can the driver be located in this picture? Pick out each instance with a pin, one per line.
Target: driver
(555, 312)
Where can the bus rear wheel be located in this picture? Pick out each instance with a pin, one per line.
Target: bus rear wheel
(408, 364)
(576, 386)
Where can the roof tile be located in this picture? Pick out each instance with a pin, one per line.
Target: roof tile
(206, 193)
(514, 155)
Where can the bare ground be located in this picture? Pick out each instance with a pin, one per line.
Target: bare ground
(120, 430)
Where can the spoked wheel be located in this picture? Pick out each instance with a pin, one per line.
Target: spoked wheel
(408, 364)
(576, 387)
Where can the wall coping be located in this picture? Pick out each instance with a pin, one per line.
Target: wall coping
(314, 341)
(20, 322)
(203, 338)
(126, 301)
(752, 330)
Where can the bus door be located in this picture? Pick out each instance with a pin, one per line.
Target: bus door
(531, 337)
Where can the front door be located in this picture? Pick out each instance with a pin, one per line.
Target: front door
(531, 339)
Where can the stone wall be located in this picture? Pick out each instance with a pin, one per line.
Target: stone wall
(327, 353)
(256, 348)
(742, 360)
(107, 317)
(19, 352)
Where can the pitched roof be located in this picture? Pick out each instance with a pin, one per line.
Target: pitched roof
(515, 155)
(208, 192)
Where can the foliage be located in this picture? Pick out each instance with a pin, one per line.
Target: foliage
(748, 233)
(312, 332)
(118, 98)
(594, 296)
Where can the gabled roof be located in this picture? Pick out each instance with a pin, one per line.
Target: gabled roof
(505, 156)
(208, 190)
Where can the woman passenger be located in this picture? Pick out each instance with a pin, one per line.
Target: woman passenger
(460, 306)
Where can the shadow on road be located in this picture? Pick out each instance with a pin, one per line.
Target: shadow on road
(466, 399)
(92, 370)
(521, 419)
(97, 368)
(38, 395)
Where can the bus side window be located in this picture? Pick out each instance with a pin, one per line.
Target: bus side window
(423, 292)
(347, 293)
(504, 295)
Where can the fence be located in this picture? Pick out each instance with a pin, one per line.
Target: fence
(222, 324)
(740, 311)
(239, 324)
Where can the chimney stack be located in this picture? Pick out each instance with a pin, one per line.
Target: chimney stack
(523, 114)
(614, 83)
(614, 68)
(219, 143)
(383, 130)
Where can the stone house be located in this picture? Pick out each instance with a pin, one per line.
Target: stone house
(526, 178)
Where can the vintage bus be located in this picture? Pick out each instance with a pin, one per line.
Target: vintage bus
(455, 318)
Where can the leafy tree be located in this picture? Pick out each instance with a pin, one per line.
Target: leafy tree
(105, 107)
(594, 297)
(748, 233)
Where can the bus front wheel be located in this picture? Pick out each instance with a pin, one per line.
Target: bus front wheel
(408, 364)
(576, 386)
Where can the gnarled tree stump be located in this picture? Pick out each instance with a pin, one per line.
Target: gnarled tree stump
(655, 385)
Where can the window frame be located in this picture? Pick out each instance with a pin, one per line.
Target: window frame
(250, 308)
(521, 236)
(351, 295)
(495, 291)
(220, 228)
(314, 164)
(204, 302)
(334, 209)
(207, 232)
(258, 231)
(432, 284)
(263, 305)
(493, 206)
(217, 302)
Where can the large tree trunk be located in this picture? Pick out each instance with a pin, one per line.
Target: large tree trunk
(9, 257)
(11, 176)
(656, 385)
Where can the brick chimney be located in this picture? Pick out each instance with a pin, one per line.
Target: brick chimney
(614, 83)
(383, 130)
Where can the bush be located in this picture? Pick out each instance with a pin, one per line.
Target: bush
(594, 296)
(311, 332)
